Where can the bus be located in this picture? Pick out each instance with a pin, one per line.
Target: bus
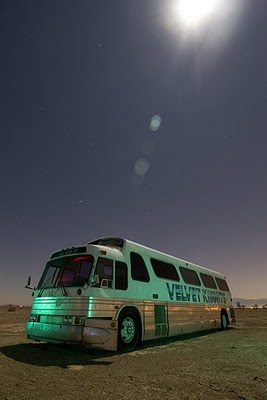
(113, 294)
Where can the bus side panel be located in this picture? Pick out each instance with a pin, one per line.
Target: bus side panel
(155, 320)
(180, 318)
(100, 307)
(187, 318)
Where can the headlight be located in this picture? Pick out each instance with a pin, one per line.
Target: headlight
(68, 320)
(33, 318)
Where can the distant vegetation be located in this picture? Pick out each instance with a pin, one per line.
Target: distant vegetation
(253, 306)
(12, 307)
(250, 303)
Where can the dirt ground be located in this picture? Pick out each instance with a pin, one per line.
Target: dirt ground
(219, 365)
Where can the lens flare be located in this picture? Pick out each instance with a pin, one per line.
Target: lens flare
(155, 123)
(192, 13)
(141, 166)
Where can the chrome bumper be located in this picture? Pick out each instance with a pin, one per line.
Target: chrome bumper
(97, 333)
(100, 333)
(54, 333)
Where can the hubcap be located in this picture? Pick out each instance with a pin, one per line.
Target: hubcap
(127, 330)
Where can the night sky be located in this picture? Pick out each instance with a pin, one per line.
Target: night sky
(118, 118)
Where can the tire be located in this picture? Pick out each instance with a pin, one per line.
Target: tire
(128, 331)
(224, 321)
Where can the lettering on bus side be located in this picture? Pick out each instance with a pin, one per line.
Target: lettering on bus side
(190, 294)
(183, 293)
(213, 296)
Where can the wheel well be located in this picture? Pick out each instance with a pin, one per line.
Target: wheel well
(136, 312)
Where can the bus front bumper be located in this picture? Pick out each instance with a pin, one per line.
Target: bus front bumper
(100, 333)
(96, 333)
(54, 333)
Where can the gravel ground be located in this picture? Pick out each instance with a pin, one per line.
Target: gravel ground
(218, 365)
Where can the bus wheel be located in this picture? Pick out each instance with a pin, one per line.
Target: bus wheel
(224, 321)
(128, 333)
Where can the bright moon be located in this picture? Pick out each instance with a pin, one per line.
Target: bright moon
(193, 13)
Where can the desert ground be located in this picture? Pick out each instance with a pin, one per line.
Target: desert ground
(221, 365)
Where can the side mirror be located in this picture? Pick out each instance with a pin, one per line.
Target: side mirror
(28, 286)
(106, 283)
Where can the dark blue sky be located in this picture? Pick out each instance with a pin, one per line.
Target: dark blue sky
(80, 84)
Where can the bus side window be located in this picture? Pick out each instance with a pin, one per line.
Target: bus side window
(121, 275)
(138, 268)
(190, 276)
(104, 271)
(208, 281)
(222, 285)
(164, 270)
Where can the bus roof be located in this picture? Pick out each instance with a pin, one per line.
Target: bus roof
(122, 244)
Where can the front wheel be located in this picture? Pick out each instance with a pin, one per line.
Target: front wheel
(128, 333)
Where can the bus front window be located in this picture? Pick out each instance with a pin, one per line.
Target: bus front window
(51, 273)
(67, 271)
(76, 271)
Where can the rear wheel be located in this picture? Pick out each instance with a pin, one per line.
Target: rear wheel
(224, 321)
(129, 330)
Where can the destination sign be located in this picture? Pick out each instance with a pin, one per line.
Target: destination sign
(67, 252)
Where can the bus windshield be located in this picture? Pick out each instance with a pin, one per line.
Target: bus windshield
(67, 271)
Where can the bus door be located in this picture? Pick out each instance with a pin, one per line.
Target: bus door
(101, 301)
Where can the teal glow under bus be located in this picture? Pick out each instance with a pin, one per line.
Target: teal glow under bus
(114, 294)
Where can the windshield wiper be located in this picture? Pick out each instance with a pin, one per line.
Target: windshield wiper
(64, 291)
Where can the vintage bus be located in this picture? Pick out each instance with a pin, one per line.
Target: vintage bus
(113, 294)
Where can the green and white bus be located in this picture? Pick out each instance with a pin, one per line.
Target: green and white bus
(113, 294)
